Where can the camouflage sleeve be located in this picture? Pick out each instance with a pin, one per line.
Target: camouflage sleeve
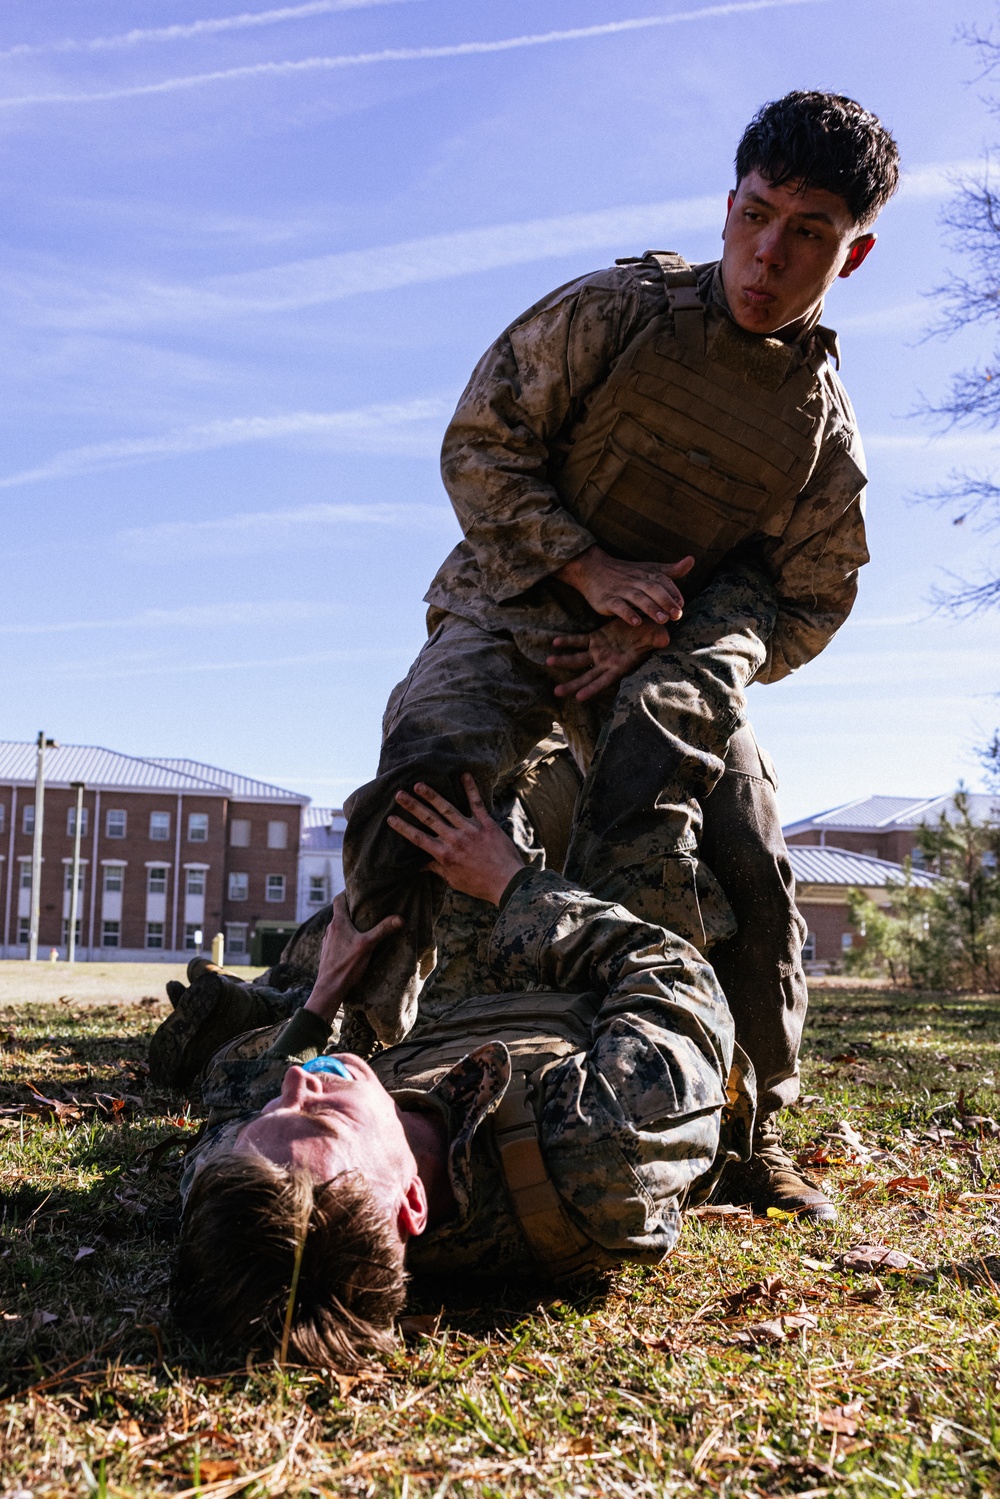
(815, 563)
(559, 937)
(524, 390)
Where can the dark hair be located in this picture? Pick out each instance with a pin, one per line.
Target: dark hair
(247, 1223)
(827, 141)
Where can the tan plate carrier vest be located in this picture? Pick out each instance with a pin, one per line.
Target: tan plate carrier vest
(538, 1028)
(701, 438)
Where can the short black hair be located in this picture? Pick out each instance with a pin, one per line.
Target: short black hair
(827, 141)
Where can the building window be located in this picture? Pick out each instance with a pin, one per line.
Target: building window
(25, 874)
(3, 815)
(159, 826)
(114, 875)
(277, 835)
(68, 878)
(239, 887)
(111, 934)
(156, 883)
(275, 890)
(71, 822)
(115, 823)
(28, 819)
(846, 941)
(193, 935)
(194, 884)
(317, 889)
(236, 938)
(239, 832)
(154, 933)
(197, 827)
(809, 948)
(24, 930)
(65, 931)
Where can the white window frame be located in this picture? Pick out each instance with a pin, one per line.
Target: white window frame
(277, 835)
(111, 869)
(71, 822)
(116, 813)
(162, 833)
(242, 928)
(152, 934)
(271, 882)
(160, 873)
(28, 819)
(105, 925)
(236, 875)
(237, 828)
(195, 821)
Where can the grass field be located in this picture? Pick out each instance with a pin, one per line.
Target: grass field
(752, 1362)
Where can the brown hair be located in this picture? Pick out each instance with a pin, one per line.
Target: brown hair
(265, 1248)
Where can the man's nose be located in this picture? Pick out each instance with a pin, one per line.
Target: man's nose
(296, 1086)
(771, 246)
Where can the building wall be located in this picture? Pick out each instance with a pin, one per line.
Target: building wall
(258, 861)
(184, 854)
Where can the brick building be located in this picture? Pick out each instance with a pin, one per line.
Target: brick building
(172, 852)
(823, 878)
(883, 827)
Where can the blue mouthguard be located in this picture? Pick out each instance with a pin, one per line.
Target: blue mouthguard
(327, 1064)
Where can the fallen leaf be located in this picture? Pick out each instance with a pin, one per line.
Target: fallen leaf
(864, 1187)
(721, 1210)
(812, 1264)
(759, 1290)
(777, 1330)
(39, 1319)
(82, 1252)
(778, 1215)
(908, 1184)
(874, 1257)
(844, 1419)
(211, 1469)
(423, 1325)
(580, 1446)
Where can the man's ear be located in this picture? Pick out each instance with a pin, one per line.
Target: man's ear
(857, 254)
(412, 1216)
(729, 208)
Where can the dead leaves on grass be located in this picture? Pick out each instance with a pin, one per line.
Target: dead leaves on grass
(776, 1329)
(875, 1257)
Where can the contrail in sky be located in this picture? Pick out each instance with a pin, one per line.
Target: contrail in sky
(194, 29)
(402, 54)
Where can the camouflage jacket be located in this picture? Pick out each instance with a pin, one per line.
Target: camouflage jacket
(515, 420)
(628, 1128)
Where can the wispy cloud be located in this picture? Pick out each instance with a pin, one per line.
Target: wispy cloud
(406, 428)
(296, 67)
(299, 284)
(192, 30)
(82, 671)
(195, 616)
(267, 530)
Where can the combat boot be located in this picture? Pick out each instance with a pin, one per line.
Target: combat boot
(212, 1011)
(771, 1179)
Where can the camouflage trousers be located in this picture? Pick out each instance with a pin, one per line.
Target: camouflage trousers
(656, 787)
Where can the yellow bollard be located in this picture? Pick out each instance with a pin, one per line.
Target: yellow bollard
(219, 949)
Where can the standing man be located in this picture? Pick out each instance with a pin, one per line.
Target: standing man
(652, 441)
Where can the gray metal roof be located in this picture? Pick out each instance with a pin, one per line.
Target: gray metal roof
(322, 830)
(104, 769)
(813, 865)
(240, 788)
(869, 814)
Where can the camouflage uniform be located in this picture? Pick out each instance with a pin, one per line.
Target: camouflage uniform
(627, 1121)
(480, 693)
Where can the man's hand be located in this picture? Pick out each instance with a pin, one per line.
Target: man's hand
(472, 854)
(344, 957)
(630, 590)
(604, 657)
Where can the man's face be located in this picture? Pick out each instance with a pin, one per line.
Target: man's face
(783, 251)
(327, 1125)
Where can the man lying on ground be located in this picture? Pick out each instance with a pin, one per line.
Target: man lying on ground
(554, 1129)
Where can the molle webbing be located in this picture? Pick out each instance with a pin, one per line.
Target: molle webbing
(702, 436)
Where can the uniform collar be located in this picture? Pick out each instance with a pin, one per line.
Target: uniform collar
(465, 1096)
(808, 333)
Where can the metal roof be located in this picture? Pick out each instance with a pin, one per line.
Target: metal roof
(813, 865)
(240, 788)
(105, 769)
(887, 813)
(322, 830)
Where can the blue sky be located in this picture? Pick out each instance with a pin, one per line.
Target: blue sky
(249, 260)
